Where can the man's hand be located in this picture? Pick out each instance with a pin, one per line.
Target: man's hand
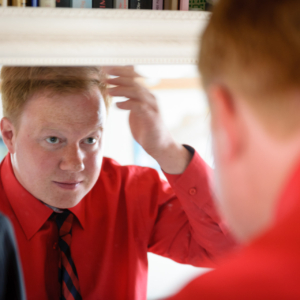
(145, 120)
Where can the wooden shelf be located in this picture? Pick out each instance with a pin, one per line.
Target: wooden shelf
(68, 36)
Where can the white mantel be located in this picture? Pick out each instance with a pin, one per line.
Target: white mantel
(69, 36)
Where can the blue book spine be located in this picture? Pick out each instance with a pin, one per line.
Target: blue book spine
(82, 3)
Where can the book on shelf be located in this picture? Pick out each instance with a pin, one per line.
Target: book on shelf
(82, 3)
(47, 3)
(158, 4)
(184, 4)
(19, 3)
(63, 3)
(102, 4)
(140, 4)
(171, 4)
(121, 4)
(197, 4)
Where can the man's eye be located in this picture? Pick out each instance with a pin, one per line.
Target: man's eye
(90, 141)
(52, 140)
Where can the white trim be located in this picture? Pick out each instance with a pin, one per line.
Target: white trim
(63, 36)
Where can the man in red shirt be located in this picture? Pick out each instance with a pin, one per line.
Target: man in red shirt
(250, 58)
(53, 126)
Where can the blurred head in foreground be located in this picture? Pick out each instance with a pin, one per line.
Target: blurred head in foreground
(53, 128)
(249, 62)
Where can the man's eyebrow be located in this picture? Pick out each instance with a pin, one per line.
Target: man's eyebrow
(99, 126)
(49, 129)
(97, 129)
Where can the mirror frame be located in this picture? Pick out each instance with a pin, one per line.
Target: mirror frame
(68, 36)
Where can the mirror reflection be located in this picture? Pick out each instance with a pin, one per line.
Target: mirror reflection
(56, 142)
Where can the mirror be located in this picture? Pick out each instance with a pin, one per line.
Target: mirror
(167, 41)
(184, 109)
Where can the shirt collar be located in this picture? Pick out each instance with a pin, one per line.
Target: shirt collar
(30, 212)
(79, 211)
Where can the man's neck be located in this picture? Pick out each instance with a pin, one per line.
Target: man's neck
(272, 162)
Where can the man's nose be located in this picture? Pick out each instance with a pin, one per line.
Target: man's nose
(72, 159)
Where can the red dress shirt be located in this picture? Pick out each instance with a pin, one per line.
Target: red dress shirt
(268, 268)
(129, 212)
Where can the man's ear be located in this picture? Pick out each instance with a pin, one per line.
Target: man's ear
(8, 132)
(225, 121)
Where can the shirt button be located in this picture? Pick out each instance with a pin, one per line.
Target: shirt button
(192, 191)
(54, 245)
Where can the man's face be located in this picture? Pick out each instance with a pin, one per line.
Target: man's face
(57, 153)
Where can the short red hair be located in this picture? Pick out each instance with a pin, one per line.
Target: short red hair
(254, 46)
(19, 83)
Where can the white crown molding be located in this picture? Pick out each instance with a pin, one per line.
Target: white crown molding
(46, 36)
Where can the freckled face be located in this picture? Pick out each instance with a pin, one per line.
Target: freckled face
(58, 148)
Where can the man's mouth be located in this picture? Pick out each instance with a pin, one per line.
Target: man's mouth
(68, 185)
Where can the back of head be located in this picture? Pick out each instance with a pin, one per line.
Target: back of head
(253, 46)
(19, 83)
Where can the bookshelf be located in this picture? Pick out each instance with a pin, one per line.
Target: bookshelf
(66, 36)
